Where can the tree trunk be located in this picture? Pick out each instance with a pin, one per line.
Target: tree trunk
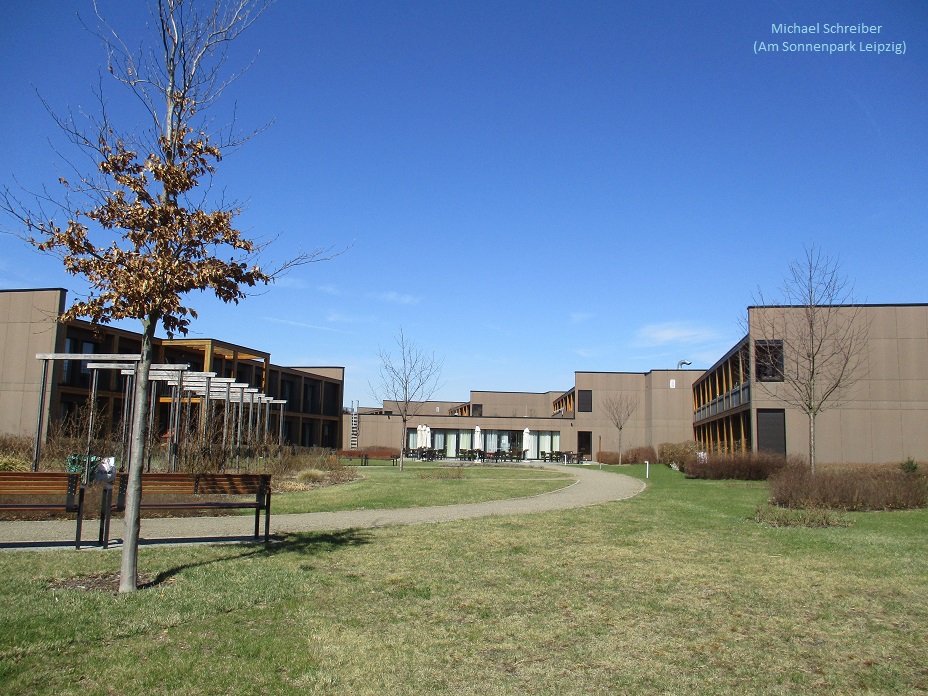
(128, 579)
(812, 443)
(620, 446)
(403, 445)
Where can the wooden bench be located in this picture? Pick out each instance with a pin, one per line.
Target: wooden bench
(258, 485)
(68, 487)
(366, 455)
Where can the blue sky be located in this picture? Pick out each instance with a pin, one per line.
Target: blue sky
(528, 188)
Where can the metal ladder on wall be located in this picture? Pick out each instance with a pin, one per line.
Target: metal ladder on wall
(355, 427)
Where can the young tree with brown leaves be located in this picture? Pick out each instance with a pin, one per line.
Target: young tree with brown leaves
(136, 229)
(810, 347)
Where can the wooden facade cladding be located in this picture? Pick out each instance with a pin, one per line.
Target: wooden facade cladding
(722, 403)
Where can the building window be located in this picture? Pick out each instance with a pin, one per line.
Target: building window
(585, 401)
(768, 361)
(477, 410)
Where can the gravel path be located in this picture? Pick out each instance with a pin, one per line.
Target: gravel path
(591, 487)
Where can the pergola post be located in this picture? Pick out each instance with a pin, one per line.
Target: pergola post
(37, 449)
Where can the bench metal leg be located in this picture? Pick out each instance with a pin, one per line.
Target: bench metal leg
(105, 508)
(80, 517)
(267, 518)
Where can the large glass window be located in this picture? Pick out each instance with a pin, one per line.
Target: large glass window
(768, 361)
(585, 401)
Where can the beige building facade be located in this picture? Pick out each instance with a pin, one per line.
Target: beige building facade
(736, 405)
(573, 421)
(741, 402)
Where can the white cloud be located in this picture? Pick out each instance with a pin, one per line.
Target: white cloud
(335, 317)
(291, 283)
(580, 317)
(588, 352)
(302, 325)
(397, 297)
(674, 333)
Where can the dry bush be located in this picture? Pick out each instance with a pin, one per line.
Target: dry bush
(633, 455)
(11, 462)
(849, 487)
(677, 455)
(67, 436)
(639, 455)
(302, 468)
(311, 476)
(772, 516)
(15, 453)
(744, 466)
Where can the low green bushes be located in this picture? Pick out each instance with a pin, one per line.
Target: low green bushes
(847, 487)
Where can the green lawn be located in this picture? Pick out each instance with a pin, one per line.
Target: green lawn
(418, 485)
(677, 590)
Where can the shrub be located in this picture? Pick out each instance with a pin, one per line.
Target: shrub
(311, 476)
(606, 457)
(909, 466)
(877, 487)
(772, 516)
(745, 466)
(9, 462)
(677, 455)
(639, 455)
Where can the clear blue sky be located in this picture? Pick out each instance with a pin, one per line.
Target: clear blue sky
(530, 188)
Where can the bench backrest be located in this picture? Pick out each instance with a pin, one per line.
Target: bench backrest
(198, 484)
(41, 483)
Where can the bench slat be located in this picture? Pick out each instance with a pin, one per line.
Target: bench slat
(46, 483)
(194, 486)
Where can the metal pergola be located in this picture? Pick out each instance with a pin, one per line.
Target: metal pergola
(205, 387)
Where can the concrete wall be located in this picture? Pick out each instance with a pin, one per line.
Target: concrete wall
(883, 417)
(513, 404)
(27, 326)
(664, 412)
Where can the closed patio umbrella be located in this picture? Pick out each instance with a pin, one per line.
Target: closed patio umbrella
(478, 444)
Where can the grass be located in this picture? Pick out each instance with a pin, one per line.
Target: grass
(420, 485)
(675, 591)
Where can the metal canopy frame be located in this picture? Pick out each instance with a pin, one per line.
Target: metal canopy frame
(204, 386)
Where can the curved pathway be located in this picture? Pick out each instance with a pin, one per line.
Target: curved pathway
(590, 487)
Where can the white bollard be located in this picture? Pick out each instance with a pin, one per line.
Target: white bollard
(647, 469)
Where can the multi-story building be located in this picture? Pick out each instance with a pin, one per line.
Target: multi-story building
(740, 402)
(736, 405)
(567, 421)
(28, 327)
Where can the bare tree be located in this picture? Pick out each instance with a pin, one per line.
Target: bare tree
(810, 348)
(408, 380)
(140, 228)
(619, 408)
